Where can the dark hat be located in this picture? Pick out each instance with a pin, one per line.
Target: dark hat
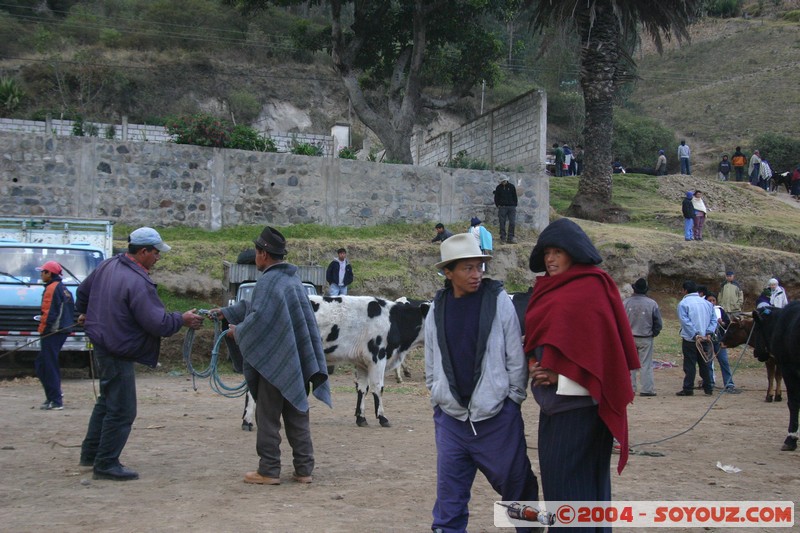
(475, 221)
(272, 241)
(689, 194)
(640, 286)
(567, 235)
(729, 273)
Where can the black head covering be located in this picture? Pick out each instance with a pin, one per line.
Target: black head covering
(640, 286)
(567, 235)
(272, 241)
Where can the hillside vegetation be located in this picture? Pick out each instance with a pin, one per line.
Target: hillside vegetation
(736, 80)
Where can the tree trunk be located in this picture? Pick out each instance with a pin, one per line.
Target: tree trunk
(599, 62)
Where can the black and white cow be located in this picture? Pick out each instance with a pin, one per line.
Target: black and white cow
(372, 334)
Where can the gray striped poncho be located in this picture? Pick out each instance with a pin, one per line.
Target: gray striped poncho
(279, 338)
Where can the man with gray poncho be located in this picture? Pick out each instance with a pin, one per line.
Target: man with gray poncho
(280, 341)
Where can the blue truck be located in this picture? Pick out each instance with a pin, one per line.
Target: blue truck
(79, 246)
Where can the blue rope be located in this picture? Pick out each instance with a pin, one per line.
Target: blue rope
(212, 371)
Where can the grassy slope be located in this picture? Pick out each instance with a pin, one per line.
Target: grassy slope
(736, 80)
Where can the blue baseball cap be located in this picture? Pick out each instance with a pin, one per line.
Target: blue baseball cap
(148, 237)
(689, 194)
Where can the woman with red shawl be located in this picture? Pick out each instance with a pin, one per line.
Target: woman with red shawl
(581, 351)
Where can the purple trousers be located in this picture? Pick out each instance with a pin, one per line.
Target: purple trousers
(497, 448)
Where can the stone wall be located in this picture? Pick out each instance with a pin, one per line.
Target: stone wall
(164, 184)
(512, 135)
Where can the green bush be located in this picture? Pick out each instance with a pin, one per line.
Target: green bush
(347, 153)
(306, 149)
(637, 139)
(244, 106)
(782, 152)
(722, 8)
(247, 138)
(11, 94)
(462, 160)
(792, 16)
(200, 130)
(77, 127)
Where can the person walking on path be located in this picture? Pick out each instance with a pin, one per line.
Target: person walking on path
(661, 164)
(739, 161)
(339, 274)
(646, 323)
(698, 323)
(125, 320)
(754, 170)
(58, 314)
(724, 168)
(700, 212)
(505, 199)
(442, 234)
(683, 156)
(731, 296)
(283, 359)
(688, 216)
(477, 374)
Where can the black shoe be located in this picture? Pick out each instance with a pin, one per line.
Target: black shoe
(115, 473)
(709, 392)
(685, 393)
(647, 394)
(733, 390)
(511, 241)
(85, 461)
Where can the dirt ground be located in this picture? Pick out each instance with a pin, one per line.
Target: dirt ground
(191, 454)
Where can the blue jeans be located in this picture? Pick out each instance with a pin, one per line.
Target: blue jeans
(688, 229)
(113, 413)
(685, 166)
(47, 368)
(724, 365)
(338, 290)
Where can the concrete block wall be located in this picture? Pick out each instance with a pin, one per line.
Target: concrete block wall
(512, 135)
(165, 184)
(151, 133)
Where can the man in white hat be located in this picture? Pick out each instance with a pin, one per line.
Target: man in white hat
(476, 372)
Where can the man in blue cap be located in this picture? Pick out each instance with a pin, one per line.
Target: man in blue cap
(731, 296)
(125, 319)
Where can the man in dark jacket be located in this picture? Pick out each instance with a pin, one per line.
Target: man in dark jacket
(688, 216)
(125, 319)
(339, 274)
(58, 314)
(505, 199)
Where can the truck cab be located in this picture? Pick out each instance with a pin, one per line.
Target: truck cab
(79, 246)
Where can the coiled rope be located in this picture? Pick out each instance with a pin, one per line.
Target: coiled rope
(212, 371)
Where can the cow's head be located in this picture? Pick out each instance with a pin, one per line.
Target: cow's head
(738, 331)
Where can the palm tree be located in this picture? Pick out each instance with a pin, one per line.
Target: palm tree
(605, 27)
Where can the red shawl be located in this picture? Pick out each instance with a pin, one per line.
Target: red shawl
(579, 320)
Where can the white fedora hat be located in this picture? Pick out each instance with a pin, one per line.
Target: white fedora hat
(461, 246)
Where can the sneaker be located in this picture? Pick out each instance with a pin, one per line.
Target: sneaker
(685, 393)
(51, 406)
(647, 394)
(45, 406)
(733, 390)
(511, 241)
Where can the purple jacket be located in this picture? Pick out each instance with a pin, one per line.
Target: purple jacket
(124, 314)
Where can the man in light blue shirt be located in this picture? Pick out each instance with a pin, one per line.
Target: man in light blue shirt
(698, 322)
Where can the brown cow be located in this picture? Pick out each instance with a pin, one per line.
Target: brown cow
(738, 333)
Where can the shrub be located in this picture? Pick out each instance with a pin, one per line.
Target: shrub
(200, 130)
(792, 16)
(247, 138)
(306, 149)
(347, 152)
(462, 160)
(77, 127)
(244, 106)
(722, 8)
(111, 132)
(782, 152)
(11, 94)
(637, 139)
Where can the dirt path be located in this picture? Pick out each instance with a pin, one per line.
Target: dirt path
(191, 454)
